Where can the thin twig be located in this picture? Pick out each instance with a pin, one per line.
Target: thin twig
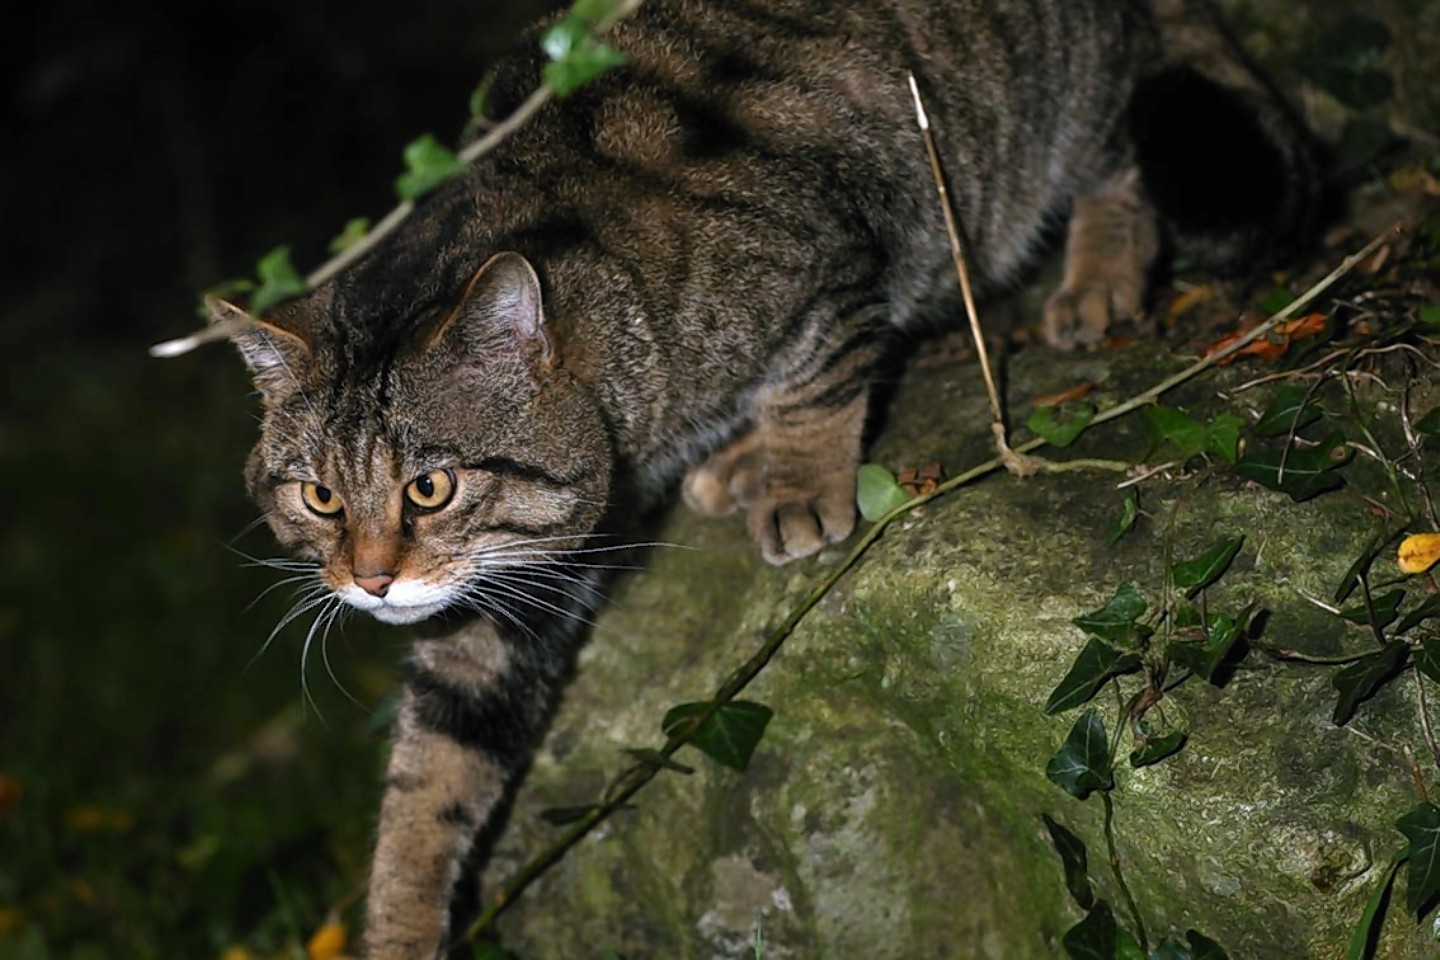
(1424, 712)
(392, 220)
(1119, 876)
(1018, 465)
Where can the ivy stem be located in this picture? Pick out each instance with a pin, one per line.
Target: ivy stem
(1422, 708)
(1119, 876)
(634, 779)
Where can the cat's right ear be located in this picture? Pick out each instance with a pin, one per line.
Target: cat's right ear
(500, 314)
(276, 350)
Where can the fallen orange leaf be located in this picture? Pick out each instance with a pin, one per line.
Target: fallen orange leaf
(1418, 552)
(328, 943)
(1193, 297)
(1077, 392)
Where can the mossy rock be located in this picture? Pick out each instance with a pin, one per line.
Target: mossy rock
(893, 809)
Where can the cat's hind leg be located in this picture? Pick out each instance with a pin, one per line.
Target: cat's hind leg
(1112, 241)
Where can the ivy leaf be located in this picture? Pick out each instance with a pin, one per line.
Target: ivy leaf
(1127, 948)
(1186, 434)
(427, 165)
(1203, 948)
(1196, 574)
(490, 950)
(1204, 658)
(1061, 425)
(1385, 607)
(1129, 510)
(1224, 437)
(354, 231)
(1427, 658)
(1074, 860)
(654, 758)
(1359, 568)
(1429, 315)
(1096, 663)
(876, 492)
(1116, 621)
(580, 66)
(1307, 471)
(1295, 406)
(561, 816)
(1156, 749)
(1169, 949)
(1421, 827)
(1083, 763)
(279, 281)
(1430, 423)
(730, 735)
(1367, 931)
(1093, 938)
(1358, 681)
(1276, 300)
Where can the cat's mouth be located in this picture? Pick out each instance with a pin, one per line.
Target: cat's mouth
(405, 601)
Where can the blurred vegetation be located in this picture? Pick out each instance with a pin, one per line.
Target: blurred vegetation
(160, 794)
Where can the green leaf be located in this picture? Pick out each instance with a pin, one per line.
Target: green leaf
(1276, 300)
(654, 758)
(1429, 424)
(1295, 406)
(561, 816)
(1196, 574)
(1357, 570)
(1061, 425)
(1203, 948)
(1093, 938)
(383, 717)
(1367, 931)
(1428, 609)
(1169, 949)
(1074, 860)
(1097, 662)
(490, 950)
(580, 65)
(1127, 948)
(1156, 749)
(1184, 433)
(730, 735)
(1083, 763)
(278, 281)
(1129, 510)
(1221, 634)
(1429, 315)
(1116, 621)
(1427, 658)
(1385, 608)
(1224, 436)
(1421, 827)
(354, 231)
(1306, 472)
(876, 492)
(479, 97)
(427, 165)
(1358, 681)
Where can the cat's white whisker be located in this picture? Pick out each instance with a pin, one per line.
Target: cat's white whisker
(280, 583)
(512, 591)
(336, 614)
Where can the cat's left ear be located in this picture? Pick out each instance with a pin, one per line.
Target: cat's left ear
(501, 310)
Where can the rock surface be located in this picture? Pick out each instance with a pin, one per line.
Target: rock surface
(893, 809)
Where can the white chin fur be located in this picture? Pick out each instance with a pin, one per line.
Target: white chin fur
(407, 601)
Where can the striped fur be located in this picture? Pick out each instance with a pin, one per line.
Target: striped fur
(698, 262)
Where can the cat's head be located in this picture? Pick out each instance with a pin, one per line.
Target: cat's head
(417, 460)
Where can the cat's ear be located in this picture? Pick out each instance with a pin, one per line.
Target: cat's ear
(500, 310)
(277, 350)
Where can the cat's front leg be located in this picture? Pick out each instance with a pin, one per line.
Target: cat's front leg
(465, 725)
(794, 472)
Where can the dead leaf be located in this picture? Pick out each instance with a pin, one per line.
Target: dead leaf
(328, 943)
(1188, 300)
(1418, 552)
(918, 482)
(1078, 392)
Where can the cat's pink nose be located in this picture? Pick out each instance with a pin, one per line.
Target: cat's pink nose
(376, 585)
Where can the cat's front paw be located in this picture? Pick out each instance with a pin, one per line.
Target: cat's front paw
(790, 524)
(1080, 316)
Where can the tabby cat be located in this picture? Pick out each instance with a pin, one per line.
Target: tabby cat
(699, 262)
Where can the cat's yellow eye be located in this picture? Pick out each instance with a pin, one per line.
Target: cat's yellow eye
(432, 491)
(321, 500)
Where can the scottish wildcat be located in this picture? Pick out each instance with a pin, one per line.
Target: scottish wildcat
(697, 262)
